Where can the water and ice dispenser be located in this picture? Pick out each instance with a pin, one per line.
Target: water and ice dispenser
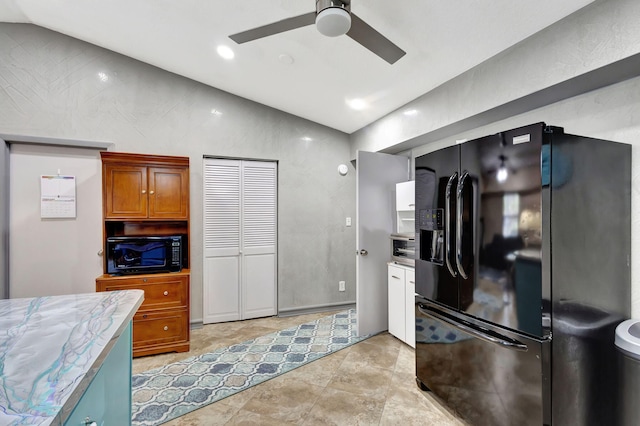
(432, 235)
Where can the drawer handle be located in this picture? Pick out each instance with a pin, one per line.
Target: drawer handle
(144, 316)
(166, 327)
(166, 293)
(393, 276)
(412, 282)
(144, 280)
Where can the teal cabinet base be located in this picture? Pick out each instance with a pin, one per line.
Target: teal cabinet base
(107, 400)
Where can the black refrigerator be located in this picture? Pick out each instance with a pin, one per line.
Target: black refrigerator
(523, 243)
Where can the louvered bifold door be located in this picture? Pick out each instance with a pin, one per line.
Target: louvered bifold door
(258, 236)
(221, 217)
(240, 231)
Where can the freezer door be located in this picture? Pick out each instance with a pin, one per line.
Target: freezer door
(488, 376)
(502, 229)
(436, 179)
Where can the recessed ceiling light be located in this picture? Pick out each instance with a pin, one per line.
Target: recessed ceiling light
(285, 58)
(357, 104)
(226, 52)
(215, 112)
(103, 77)
(306, 138)
(411, 112)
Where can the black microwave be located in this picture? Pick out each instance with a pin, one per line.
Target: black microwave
(144, 255)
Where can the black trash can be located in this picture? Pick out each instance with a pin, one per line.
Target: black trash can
(628, 344)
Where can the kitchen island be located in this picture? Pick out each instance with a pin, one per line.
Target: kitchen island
(58, 353)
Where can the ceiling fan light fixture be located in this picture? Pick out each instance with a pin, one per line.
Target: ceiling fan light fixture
(502, 173)
(333, 21)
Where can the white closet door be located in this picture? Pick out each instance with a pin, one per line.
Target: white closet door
(221, 292)
(240, 229)
(259, 239)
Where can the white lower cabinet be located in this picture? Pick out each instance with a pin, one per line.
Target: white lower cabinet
(401, 284)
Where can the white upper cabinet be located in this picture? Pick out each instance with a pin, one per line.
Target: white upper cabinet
(405, 207)
(405, 196)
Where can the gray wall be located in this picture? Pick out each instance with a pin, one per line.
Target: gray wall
(4, 221)
(50, 87)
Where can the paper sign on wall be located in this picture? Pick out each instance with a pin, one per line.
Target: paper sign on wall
(57, 196)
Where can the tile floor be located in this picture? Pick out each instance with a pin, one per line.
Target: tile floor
(369, 383)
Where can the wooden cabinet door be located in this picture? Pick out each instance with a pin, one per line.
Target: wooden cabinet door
(125, 192)
(168, 193)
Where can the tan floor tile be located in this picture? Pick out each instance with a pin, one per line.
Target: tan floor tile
(321, 371)
(370, 382)
(335, 407)
(365, 354)
(248, 418)
(405, 407)
(210, 415)
(284, 399)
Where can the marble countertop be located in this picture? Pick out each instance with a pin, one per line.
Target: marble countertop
(52, 347)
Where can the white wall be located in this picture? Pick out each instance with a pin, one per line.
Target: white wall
(54, 256)
(50, 87)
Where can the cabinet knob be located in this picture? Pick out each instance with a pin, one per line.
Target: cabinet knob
(144, 316)
(144, 280)
(166, 293)
(151, 192)
(144, 191)
(166, 327)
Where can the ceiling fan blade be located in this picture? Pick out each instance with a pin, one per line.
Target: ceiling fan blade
(364, 34)
(275, 28)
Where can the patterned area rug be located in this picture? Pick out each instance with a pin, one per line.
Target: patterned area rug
(162, 394)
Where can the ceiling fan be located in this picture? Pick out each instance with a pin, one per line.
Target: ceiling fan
(332, 18)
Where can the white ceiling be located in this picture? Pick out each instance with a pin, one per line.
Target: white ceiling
(442, 40)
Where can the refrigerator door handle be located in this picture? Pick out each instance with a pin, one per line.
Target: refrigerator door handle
(480, 333)
(459, 210)
(447, 221)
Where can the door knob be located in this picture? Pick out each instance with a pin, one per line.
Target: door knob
(363, 252)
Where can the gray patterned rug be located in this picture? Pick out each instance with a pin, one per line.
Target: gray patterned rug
(162, 394)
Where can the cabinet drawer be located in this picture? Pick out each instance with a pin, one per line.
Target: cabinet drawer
(161, 292)
(159, 328)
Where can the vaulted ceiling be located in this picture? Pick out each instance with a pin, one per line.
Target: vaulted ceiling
(301, 71)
